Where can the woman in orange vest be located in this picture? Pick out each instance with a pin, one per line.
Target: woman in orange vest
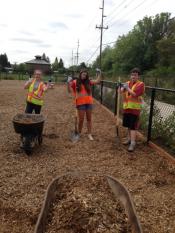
(83, 99)
(36, 89)
(132, 105)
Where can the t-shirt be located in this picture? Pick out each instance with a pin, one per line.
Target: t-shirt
(69, 79)
(36, 84)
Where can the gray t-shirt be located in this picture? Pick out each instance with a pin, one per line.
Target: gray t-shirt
(36, 84)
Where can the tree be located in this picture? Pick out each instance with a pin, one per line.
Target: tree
(44, 57)
(139, 46)
(48, 59)
(82, 66)
(166, 46)
(166, 49)
(61, 63)
(55, 65)
(4, 61)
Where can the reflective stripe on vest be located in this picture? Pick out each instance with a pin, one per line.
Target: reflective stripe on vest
(83, 97)
(35, 97)
(132, 102)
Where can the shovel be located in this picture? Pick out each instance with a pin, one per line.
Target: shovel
(118, 133)
(74, 134)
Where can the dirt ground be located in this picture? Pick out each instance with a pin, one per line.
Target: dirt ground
(24, 180)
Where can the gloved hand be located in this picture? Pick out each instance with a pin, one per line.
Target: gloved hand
(30, 80)
(126, 86)
(98, 70)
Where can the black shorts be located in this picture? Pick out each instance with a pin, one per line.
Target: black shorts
(30, 107)
(85, 107)
(130, 121)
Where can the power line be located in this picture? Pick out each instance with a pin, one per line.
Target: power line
(110, 43)
(98, 48)
(130, 12)
(92, 54)
(117, 7)
(119, 10)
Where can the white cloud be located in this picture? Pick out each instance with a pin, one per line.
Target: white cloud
(53, 27)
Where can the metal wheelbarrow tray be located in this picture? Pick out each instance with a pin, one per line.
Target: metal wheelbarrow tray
(30, 126)
(118, 191)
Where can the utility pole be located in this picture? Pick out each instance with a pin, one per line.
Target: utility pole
(101, 29)
(75, 60)
(72, 58)
(77, 52)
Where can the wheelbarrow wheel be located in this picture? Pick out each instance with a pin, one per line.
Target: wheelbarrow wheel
(28, 151)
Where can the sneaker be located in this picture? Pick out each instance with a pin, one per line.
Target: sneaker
(21, 145)
(127, 142)
(131, 147)
(90, 137)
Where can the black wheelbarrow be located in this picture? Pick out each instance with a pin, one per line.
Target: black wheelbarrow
(30, 127)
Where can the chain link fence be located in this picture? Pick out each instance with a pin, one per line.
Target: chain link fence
(157, 121)
(160, 112)
(106, 94)
(57, 78)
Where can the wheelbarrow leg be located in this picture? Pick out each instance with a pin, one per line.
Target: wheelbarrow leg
(40, 139)
(27, 144)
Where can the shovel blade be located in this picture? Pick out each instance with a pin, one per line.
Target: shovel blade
(74, 137)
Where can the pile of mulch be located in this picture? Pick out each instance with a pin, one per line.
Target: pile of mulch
(28, 118)
(86, 205)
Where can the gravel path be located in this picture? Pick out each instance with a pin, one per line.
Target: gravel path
(23, 179)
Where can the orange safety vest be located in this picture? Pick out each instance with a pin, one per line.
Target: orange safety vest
(35, 97)
(82, 97)
(132, 102)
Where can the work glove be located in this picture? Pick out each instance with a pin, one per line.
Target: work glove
(126, 86)
(98, 70)
(30, 80)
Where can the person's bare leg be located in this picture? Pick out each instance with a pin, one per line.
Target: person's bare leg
(89, 120)
(133, 135)
(133, 140)
(129, 135)
(128, 138)
(89, 123)
(81, 114)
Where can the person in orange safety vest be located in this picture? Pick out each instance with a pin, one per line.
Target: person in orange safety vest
(133, 91)
(36, 89)
(83, 99)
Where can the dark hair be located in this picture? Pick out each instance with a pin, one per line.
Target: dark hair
(85, 82)
(136, 70)
(37, 70)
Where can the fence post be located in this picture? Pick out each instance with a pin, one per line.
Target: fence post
(116, 98)
(93, 90)
(151, 114)
(101, 94)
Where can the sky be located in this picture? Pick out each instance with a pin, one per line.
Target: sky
(54, 27)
